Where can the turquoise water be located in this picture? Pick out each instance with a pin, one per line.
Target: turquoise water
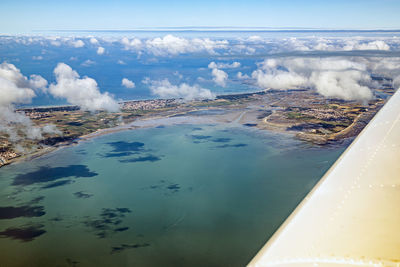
(187, 195)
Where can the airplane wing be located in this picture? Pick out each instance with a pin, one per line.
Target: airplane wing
(352, 216)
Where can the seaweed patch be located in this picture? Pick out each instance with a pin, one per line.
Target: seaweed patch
(233, 145)
(166, 186)
(57, 184)
(108, 221)
(150, 158)
(121, 229)
(22, 211)
(222, 140)
(119, 154)
(50, 174)
(121, 146)
(24, 233)
(82, 194)
(200, 137)
(125, 246)
(72, 262)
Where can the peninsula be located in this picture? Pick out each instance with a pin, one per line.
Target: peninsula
(304, 113)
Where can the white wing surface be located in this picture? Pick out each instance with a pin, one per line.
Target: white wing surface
(352, 216)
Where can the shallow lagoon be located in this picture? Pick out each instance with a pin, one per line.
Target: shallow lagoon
(186, 195)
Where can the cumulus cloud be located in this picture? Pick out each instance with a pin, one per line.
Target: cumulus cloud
(83, 92)
(127, 83)
(37, 57)
(93, 41)
(219, 76)
(331, 77)
(78, 43)
(16, 88)
(173, 45)
(88, 63)
(100, 50)
(374, 45)
(165, 89)
(242, 76)
(221, 65)
(38, 82)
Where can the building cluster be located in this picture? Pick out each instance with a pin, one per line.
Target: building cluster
(324, 114)
(148, 104)
(5, 156)
(37, 115)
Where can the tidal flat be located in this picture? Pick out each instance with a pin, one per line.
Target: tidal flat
(163, 195)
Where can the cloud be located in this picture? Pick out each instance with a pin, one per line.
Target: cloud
(219, 76)
(83, 92)
(78, 43)
(128, 83)
(37, 57)
(242, 76)
(165, 89)
(93, 41)
(38, 82)
(88, 63)
(331, 77)
(16, 88)
(135, 43)
(173, 45)
(100, 50)
(375, 45)
(221, 65)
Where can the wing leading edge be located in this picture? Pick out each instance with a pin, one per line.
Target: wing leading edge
(352, 216)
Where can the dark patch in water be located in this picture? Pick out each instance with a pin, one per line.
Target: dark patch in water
(150, 158)
(250, 124)
(125, 246)
(121, 146)
(165, 186)
(160, 127)
(49, 174)
(82, 194)
(24, 233)
(57, 184)
(200, 137)
(22, 211)
(107, 222)
(228, 145)
(121, 229)
(36, 200)
(174, 187)
(72, 262)
(120, 154)
(56, 219)
(222, 140)
(197, 129)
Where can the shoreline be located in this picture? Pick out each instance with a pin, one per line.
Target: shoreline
(252, 109)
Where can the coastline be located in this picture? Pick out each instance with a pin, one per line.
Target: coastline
(248, 109)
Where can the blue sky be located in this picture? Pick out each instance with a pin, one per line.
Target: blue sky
(18, 16)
